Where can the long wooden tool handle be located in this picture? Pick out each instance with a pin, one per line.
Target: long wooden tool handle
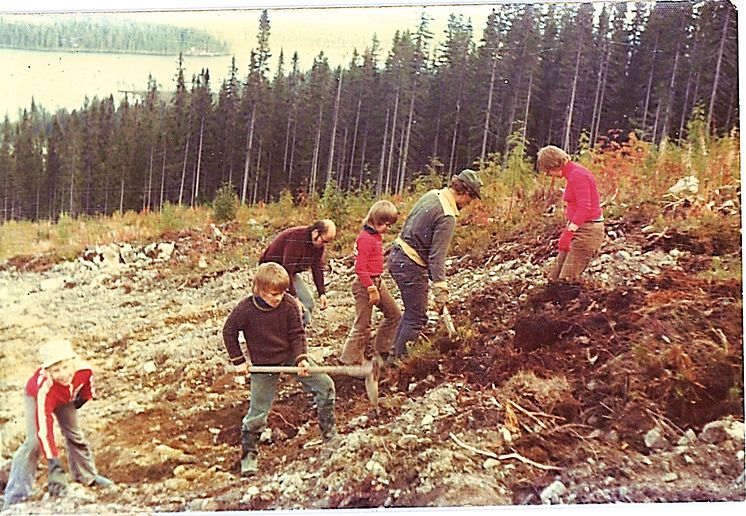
(348, 370)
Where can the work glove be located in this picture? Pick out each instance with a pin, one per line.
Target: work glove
(56, 479)
(373, 296)
(441, 298)
(79, 401)
(565, 239)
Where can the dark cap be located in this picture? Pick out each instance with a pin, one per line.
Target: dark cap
(470, 178)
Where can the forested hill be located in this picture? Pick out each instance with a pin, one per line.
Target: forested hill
(93, 34)
(579, 76)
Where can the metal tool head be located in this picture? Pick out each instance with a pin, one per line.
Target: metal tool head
(371, 380)
(448, 321)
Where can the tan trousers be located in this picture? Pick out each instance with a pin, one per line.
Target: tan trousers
(587, 240)
(360, 334)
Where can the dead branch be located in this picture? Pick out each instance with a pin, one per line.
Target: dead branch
(471, 448)
(664, 421)
(523, 459)
(568, 426)
(534, 414)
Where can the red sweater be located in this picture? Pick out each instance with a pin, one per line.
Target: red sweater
(49, 395)
(368, 255)
(581, 194)
(294, 250)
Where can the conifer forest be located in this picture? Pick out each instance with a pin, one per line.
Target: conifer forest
(571, 74)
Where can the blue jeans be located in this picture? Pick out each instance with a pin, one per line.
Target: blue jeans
(412, 280)
(305, 296)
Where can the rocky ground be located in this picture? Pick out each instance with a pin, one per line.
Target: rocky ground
(627, 389)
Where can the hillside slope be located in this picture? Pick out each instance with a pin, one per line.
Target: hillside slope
(629, 389)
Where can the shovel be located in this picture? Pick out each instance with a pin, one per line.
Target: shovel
(370, 370)
(448, 321)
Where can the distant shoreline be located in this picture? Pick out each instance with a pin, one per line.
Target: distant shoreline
(129, 52)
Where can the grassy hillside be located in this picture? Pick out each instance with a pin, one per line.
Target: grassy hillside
(635, 180)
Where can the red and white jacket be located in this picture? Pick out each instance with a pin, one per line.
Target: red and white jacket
(50, 395)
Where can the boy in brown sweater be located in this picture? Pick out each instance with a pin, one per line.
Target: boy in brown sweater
(271, 323)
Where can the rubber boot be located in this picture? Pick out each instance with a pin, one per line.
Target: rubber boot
(327, 422)
(101, 481)
(249, 445)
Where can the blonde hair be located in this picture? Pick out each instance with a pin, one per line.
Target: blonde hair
(551, 158)
(381, 212)
(270, 277)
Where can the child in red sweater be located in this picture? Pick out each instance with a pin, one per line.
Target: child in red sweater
(370, 290)
(59, 387)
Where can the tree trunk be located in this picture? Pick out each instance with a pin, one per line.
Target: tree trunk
(150, 178)
(247, 160)
(285, 154)
(334, 131)
(599, 93)
(671, 90)
(571, 107)
(717, 69)
(183, 172)
(410, 118)
(163, 175)
(488, 111)
(354, 133)
(121, 196)
(341, 164)
(650, 86)
(399, 173)
(528, 105)
(292, 152)
(256, 174)
(316, 151)
(362, 155)
(603, 95)
(72, 184)
(379, 184)
(453, 139)
(393, 138)
(685, 108)
(195, 193)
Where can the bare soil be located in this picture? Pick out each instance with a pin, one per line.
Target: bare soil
(541, 383)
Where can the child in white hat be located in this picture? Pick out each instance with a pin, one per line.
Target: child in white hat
(60, 386)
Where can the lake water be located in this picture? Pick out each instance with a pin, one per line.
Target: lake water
(63, 79)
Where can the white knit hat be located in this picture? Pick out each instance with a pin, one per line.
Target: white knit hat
(55, 350)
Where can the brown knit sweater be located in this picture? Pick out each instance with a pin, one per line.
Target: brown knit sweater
(274, 336)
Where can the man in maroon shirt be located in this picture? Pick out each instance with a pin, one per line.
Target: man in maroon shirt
(299, 249)
(60, 387)
(584, 232)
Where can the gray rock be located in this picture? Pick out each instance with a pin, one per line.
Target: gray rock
(644, 269)
(622, 255)
(553, 492)
(655, 440)
(688, 438)
(717, 432)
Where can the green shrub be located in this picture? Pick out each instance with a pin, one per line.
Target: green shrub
(169, 219)
(225, 204)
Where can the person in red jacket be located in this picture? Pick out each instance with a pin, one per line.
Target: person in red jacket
(59, 387)
(299, 249)
(370, 290)
(584, 231)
